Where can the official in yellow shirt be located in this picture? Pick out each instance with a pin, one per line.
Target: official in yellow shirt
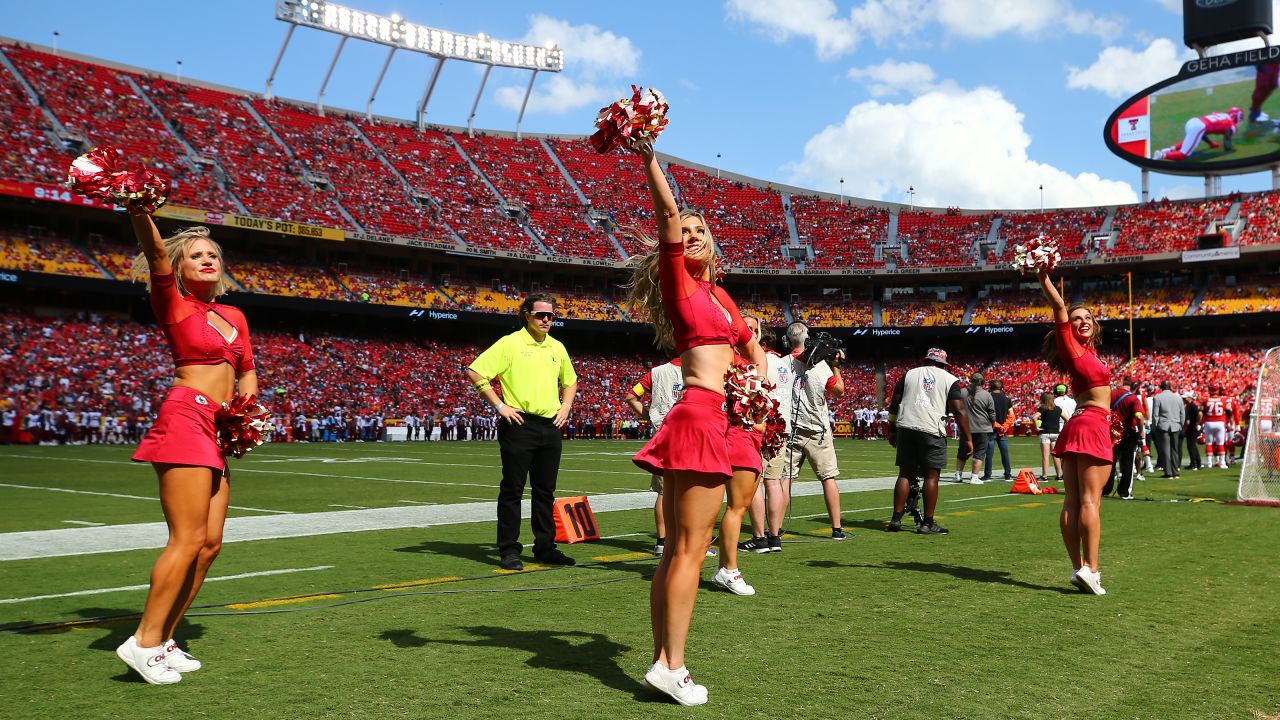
(538, 386)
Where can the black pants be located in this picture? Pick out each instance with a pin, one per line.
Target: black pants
(1125, 453)
(1193, 448)
(530, 450)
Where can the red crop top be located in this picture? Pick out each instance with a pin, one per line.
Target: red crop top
(695, 318)
(193, 340)
(1086, 370)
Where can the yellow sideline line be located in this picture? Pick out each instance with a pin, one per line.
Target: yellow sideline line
(623, 556)
(279, 601)
(417, 583)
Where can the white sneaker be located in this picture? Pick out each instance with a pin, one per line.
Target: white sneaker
(1223, 466)
(958, 476)
(179, 659)
(732, 581)
(1088, 581)
(147, 662)
(1140, 477)
(676, 683)
(975, 480)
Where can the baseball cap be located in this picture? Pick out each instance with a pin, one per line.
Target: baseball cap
(937, 355)
(975, 378)
(1060, 389)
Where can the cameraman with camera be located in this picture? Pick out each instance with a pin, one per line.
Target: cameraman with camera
(814, 365)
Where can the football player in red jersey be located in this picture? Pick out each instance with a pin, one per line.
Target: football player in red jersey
(1200, 128)
(1220, 420)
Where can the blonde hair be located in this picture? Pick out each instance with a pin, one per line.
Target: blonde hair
(644, 292)
(175, 246)
(1049, 347)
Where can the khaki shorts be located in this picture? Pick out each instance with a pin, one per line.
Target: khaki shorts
(819, 450)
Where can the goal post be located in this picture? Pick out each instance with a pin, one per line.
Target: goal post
(1260, 473)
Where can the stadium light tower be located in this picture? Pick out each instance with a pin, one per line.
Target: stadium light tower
(399, 34)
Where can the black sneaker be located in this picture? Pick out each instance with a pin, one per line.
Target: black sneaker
(554, 557)
(894, 526)
(931, 529)
(837, 533)
(775, 542)
(755, 545)
(511, 562)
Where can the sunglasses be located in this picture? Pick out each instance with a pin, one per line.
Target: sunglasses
(544, 315)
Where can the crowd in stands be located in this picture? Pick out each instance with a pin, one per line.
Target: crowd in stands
(842, 235)
(613, 184)
(836, 310)
(36, 250)
(919, 309)
(523, 172)
(286, 161)
(1249, 295)
(26, 155)
(272, 277)
(258, 170)
(392, 288)
(1068, 228)
(99, 103)
(748, 222)
(1001, 306)
(435, 168)
(947, 239)
(365, 187)
(1110, 300)
(1164, 226)
(768, 310)
(1261, 215)
(117, 368)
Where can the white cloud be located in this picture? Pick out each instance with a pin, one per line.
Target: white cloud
(1182, 191)
(891, 78)
(956, 147)
(1119, 72)
(989, 18)
(1173, 6)
(814, 20)
(593, 57)
(833, 35)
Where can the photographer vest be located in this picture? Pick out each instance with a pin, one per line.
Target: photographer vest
(808, 393)
(667, 384)
(924, 400)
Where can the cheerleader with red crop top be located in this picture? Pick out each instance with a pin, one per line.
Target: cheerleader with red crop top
(1089, 431)
(213, 358)
(1084, 444)
(701, 313)
(697, 320)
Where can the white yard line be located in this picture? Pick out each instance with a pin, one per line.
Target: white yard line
(128, 497)
(143, 536)
(84, 522)
(349, 507)
(99, 591)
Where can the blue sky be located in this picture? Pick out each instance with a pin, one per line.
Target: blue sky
(972, 103)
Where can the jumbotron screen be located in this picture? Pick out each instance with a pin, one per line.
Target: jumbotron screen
(1226, 120)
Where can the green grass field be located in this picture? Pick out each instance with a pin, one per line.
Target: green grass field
(1170, 113)
(418, 622)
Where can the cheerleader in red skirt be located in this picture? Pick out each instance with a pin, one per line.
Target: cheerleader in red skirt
(1084, 444)
(213, 357)
(699, 321)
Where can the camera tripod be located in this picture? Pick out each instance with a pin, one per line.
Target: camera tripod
(913, 500)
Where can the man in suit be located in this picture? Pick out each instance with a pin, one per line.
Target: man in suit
(1167, 419)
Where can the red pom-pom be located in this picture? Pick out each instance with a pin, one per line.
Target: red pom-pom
(633, 121)
(139, 191)
(241, 425)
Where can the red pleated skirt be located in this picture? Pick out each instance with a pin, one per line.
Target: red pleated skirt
(1088, 432)
(744, 449)
(183, 433)
(692, 437)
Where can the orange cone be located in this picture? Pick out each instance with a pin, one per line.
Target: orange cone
(1026, 483)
